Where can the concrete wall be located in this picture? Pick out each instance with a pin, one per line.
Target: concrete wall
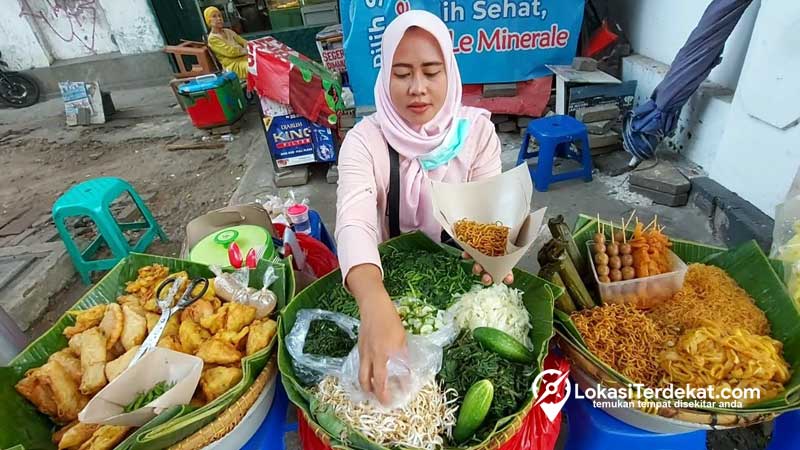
(70, 29)
(42, 31)
(759, 153)
(748, 140)
(20, 46)
(134, 27)
(658, 29)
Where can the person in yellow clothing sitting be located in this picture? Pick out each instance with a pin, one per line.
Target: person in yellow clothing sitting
(229, 48)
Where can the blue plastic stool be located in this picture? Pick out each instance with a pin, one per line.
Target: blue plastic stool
(270, 435)
(555, 135)
(93, 199)
(785, 434)
(593, 429)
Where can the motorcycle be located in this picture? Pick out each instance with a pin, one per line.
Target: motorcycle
(17, 89)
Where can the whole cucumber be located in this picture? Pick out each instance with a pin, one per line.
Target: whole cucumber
(473, 410)
(503, 344)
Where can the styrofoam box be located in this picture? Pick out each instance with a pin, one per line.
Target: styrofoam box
(644, 292)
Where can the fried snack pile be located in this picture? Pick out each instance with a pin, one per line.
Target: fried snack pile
(489, 239)
(726, 358)
(105, 338)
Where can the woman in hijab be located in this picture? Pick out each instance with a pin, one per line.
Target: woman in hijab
(229, 48)
(420, 132)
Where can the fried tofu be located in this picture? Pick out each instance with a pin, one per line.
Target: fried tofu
(134, 328)
(77, 435)
(215, 351)
(239, 316)
(192, 335)
(93, 360)
(85, 319)
(261, 334)
(116, 367)
(217, 380)
(69, 362)
(234, 338)
(105, 438)
(51, 389)
(112, 324)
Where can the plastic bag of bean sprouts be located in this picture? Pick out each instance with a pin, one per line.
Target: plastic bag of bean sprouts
(406, 373)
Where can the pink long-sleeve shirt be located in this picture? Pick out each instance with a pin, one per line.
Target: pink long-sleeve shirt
(361, 196)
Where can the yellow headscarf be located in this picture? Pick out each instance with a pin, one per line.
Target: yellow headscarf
(208, 12)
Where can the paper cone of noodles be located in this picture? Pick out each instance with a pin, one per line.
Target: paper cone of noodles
(505, 198)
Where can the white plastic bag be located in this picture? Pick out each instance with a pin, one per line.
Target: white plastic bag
(406, 373)
(233, 287)
(786, 239)
(312, 368)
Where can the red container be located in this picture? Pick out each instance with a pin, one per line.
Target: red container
(213, 100)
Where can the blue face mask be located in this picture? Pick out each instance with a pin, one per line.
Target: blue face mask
(450, 147)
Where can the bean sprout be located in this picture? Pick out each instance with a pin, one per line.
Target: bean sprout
(422, 423)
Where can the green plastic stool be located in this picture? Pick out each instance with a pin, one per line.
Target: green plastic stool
(93, 198)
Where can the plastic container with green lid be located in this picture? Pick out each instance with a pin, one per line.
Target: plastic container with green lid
(213, 249)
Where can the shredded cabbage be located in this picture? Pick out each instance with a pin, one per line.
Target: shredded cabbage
(497, 306)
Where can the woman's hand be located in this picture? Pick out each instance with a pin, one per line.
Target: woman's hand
(486, 279)
(381, 334)
(380, 337)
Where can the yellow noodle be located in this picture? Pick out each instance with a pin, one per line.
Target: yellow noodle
(708, 293)
(624, 338)
(726, 358)
(489, 239)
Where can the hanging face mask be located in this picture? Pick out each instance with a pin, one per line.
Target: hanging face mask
(450, 147)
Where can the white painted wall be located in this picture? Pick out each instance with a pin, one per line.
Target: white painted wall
(133, 26)
(20, 47)
(759, 152)
(70, 29)
(659, 28)
(41, 31)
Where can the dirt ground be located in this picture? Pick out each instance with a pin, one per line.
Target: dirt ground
(43, 158)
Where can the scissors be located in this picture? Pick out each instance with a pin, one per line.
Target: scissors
(168, 309)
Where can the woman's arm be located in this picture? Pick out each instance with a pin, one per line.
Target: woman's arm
(381, 333)
(487, 162)
(239, 40)
(222, 48)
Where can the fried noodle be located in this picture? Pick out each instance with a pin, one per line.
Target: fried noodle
(624, 338)
(708, 293)
(489, 239)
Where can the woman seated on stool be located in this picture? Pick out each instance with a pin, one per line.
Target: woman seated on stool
(229, 48)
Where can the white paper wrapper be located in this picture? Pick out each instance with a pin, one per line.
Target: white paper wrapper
(504, 198)
(156, 365)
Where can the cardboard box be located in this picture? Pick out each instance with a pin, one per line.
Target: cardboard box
(294, 140)
(84, 103)
(576, 89)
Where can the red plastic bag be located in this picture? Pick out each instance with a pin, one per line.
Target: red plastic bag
(321, 260)
(537, 431)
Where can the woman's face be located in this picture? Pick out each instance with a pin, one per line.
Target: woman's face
(216, 20)
(418, 84)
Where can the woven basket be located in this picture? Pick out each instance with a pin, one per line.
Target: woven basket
(710, 419)
(231, 417)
